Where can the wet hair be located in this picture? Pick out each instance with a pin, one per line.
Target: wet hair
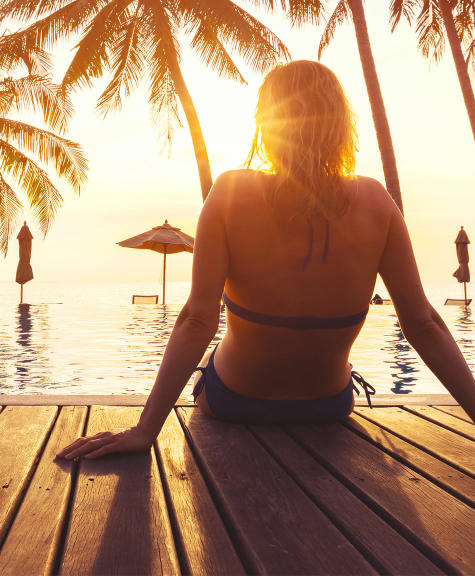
(305, 133)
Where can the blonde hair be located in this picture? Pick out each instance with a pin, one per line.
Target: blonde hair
(305, 132)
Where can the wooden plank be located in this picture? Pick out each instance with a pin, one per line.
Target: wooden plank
(205, 545)
(40, 518)
(455, 481)
(451, 422)
(456, 411)
(185, 400)
(23, 431)
(119, 522)
(277, 528)
(437, 522)
(387, 550)
(455, 449)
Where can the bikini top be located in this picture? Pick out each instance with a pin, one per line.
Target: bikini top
(299, 322)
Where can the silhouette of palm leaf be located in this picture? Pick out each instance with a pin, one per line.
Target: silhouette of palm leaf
(42, 195)
(64, 155)
(10, 212)
(239, 30)
(430, 30)
(41, 95)
(340, 14)
(162, 53)
(92, 55)
(400, 8)
(69, 20)
(207, 43)
(16, 49)
(127, 61)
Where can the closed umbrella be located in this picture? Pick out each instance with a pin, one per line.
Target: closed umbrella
(165, 239)
(463, 272)
(24, 272)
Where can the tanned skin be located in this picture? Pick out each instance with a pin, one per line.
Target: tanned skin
(253, 246)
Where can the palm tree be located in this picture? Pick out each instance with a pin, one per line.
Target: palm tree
(436, 21)
(26, 150)
(354, 10)
(134, 39)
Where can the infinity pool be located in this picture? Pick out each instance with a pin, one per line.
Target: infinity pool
(89, 339)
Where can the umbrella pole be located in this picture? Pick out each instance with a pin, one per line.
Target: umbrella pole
(465, 292)
(164, 271)
(21, 293)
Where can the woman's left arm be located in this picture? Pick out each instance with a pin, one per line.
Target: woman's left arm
(195, 327)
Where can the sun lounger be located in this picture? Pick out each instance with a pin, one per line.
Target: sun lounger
(457, 302)
(138, 299)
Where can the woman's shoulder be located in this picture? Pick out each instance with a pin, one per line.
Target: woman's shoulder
(241, 176)
(240, 186)
(370, 193)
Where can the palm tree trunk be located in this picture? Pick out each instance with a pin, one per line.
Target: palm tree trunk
(378, 110)
(199, 146)
(459, 60)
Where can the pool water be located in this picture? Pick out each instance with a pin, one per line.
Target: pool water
(90, 339)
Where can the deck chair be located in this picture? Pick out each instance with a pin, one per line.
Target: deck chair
(457, 302)
(138, 299)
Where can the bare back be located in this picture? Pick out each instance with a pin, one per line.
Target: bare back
(267, 244)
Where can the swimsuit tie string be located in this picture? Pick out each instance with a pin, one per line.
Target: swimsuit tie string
(368, 388)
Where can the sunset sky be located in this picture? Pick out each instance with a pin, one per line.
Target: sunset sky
(132, 186)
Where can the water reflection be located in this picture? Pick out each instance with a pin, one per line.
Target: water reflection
(404, 361)
(464, 325)
(31, 364)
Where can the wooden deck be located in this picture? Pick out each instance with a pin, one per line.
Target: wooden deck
(389, 491)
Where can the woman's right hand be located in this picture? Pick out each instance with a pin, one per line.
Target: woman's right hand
(119, 440)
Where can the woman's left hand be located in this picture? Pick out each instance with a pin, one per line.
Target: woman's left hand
(120, 440)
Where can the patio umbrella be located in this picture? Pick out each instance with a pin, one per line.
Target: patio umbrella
(463, 272)
(24, 272)
(165, 239)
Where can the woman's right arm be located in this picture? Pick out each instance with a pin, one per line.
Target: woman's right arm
(422, 326)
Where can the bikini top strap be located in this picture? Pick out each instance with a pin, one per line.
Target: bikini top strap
(310, 245)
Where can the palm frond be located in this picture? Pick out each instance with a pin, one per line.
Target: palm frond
(470, 56)
(430, 30)
(163, 56)
(64, 23)
(41, 95)
(16, 49)
(302, 11)
(29, 9)
(400, 8)
(127, 61)
(65, 156)
(44, 199)
(92, 55)
(240, 31)
(10, 212)
(209, 47)
(341, 14)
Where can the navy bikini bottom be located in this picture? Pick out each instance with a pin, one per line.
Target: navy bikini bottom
(228, 405)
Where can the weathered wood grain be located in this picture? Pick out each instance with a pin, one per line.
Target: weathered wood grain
(40, 519)
(387, 550)
(437, 522)
(23, 431)
(457, 450)
(185, 400)
(119, 522)
(204, 542)
(456, 411)
(277, 528)
(448, 421)
(451, 479)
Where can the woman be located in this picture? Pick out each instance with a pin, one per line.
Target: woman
(296, 251)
